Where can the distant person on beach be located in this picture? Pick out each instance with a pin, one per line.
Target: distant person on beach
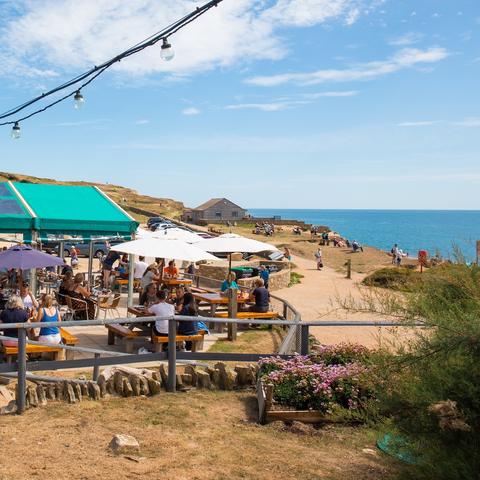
(398, 257)
(318, 257)
(356, 247)
(394, 252)
(287, 254)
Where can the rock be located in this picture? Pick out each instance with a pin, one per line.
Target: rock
(226, 377)
(102, 383)
(300, 428)
(6, 396)
(118, 382)
(94, 391)
(163, 375)
(369, 451)
(68, 393)
(32, 397)
(110, 386)
(191, 370)
(245, 376)
(84, 389)
(127, 388)
(154, 386)
(10, 408)
(51, 395)
(203, 380)
(77, 389)
(144, 388)
(135, 384)
(156, 376)
(59, 391)
(186, 379)
(124, 445)
(42, 397)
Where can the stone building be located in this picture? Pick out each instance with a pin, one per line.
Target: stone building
(216, 210)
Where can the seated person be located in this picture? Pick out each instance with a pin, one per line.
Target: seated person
(81, 303)
(229, 282)
(14, 313)
(161, 309)
(171, 271)
(29, 301)
(261, 297)
(149, 295)
(179, 296)
(356, 246)
(149, 276)
(65, 287)
(189, 309)
(66, 268)
(49, 313)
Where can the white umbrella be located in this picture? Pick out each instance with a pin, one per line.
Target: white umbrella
(170, 234)
(231, 243)
(174, 249)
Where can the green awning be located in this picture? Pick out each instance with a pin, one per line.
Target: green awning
(61, 210)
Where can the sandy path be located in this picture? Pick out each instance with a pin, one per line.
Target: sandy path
(316, 296)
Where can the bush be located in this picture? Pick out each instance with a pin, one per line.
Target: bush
(393, 278)
(432, 386)
(341, 354)
(295, 278)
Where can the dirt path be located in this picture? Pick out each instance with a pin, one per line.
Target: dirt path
(316, 299)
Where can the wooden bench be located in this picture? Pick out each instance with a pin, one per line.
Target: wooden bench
(197, 341)
(250, 315)
(128, 336)
(9, 348)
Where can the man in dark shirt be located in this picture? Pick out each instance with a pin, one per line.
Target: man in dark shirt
(13, 313)
(261, 296)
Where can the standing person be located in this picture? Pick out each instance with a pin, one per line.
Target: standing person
(107, 265)
(74, 257)
(49, 313)
(261, 297)
(161, 309)
(287, 254)
(394, 252)
(140, 267)
(398, 257)
(319, 258)
(264, 274)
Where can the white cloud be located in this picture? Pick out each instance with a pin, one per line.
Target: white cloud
(405, 58)
(190, 111)
(266, 107)
(81, 123)
(468, 122)
(63, 35)
(407, 39)
(424, 123)
(344, 93)
(142, 121)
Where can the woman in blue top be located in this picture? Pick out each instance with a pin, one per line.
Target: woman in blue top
(229, 282)
(49, 313)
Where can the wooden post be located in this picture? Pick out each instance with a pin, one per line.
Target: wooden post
(96, 368)
(131, 271)
(349, 268)
(232, 313)
(172, 356)
(22, 370)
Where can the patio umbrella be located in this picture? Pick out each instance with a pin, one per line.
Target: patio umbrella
(170, 234)
(25, 257)
(231, 243)
(174, 249)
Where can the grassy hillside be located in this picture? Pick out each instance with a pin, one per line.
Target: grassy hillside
(139, 206)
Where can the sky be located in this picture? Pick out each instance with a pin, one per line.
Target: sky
(270, 103)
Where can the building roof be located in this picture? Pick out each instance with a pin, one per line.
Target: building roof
(213, 201)
(61, 210)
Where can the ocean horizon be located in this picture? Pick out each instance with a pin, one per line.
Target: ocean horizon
(442, 231)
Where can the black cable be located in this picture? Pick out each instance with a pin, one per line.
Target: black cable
(98, 70)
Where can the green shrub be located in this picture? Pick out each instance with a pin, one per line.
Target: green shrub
(393, 278)
(295, 278)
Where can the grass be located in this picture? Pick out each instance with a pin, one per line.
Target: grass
(252, 341)
(199, 435)
(295, 278)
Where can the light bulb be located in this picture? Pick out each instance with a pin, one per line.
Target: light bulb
(166, 52)
(78, 99)
(16, 132)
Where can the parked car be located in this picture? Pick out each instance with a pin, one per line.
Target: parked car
(153, 220)
(161, 226)
(100, 248)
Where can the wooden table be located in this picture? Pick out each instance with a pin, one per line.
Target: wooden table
(175, 282)
(215, 299)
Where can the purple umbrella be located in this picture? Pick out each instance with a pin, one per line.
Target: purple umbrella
(25, 257)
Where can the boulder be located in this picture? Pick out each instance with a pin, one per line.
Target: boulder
(245, 376)
(144, 388)
(127, 388)
(41, 395)
(6, 396)
(203, 380)
(93, 391)
(68, 393)
(124, 445)
(154, 386)
(191, 370)
(163, 375)
(135, 384)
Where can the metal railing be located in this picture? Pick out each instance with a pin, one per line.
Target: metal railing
(172, 356)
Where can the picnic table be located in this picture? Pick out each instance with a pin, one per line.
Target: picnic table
(175, 282)
(215, 299)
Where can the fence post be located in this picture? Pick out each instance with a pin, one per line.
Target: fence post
(96, 369)
(172, 356)
(348, 264)
(304, 341)
(232, 313)
(22, 370)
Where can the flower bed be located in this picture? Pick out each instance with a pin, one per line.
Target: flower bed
(332, 383)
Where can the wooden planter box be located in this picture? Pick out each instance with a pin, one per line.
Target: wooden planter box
(268, 414)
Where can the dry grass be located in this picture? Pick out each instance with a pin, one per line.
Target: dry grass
(199, 435)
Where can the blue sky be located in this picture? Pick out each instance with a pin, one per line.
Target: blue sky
(272, 103)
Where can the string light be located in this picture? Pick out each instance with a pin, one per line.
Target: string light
(84, 79)
(166, 52)
(78, 100)
(16, 131)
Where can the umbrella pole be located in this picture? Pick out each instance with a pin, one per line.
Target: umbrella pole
(90, 264)
(229, 262)
(33, 271)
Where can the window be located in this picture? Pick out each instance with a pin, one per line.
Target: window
(235, 213)
(218, 214)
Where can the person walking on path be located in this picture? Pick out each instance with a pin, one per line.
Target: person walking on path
(319, 259)
(394, 252)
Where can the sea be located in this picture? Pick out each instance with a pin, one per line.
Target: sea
(437, 231)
